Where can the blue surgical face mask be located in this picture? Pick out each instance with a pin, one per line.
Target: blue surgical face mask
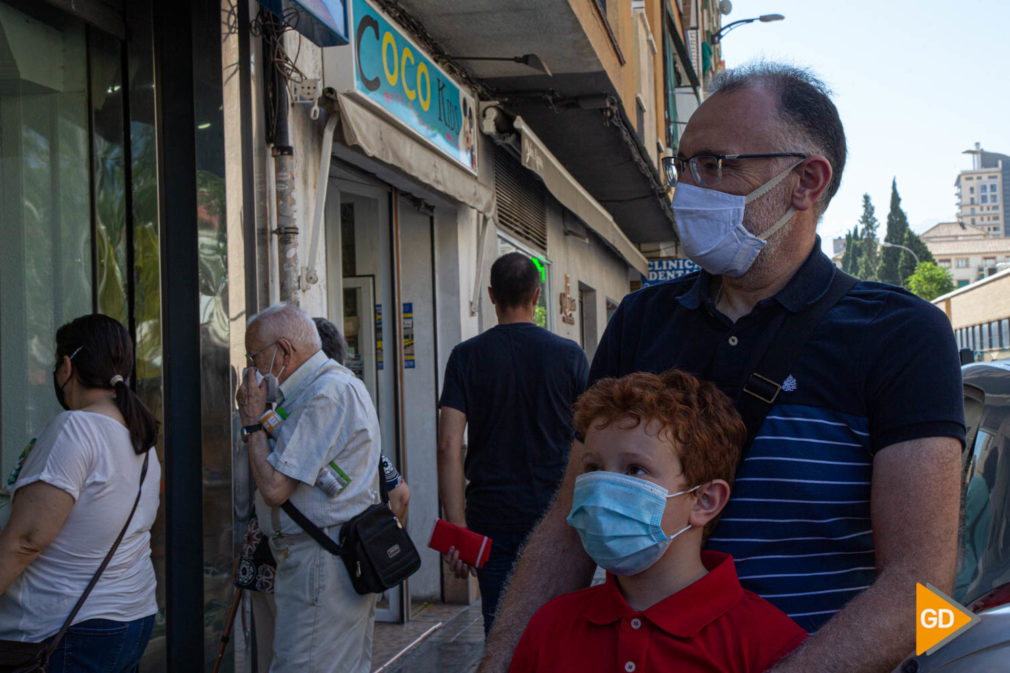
(710, 224)
(619, 520)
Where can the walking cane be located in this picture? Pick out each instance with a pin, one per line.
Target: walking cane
(228, 624)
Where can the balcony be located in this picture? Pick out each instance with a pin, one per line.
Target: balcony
(577, 112)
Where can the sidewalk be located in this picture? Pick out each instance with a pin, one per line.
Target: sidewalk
(440, 638)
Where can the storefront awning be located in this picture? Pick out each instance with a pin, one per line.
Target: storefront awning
(560, 183)
(371, 133)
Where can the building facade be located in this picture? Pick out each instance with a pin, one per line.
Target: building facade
(981, 192)
(980, 316)
(151, 169)
(968, 252)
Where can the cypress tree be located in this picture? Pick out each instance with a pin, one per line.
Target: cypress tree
(853, 251)
(870, 246)
(889, 270)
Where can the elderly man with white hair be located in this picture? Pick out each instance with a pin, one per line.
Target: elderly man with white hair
(325, 626)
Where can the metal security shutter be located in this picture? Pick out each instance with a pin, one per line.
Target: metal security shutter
(521, 201)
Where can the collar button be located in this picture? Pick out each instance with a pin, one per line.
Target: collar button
(636, 623)
(733, 341)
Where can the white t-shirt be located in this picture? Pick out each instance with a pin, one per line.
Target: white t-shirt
(89, 456)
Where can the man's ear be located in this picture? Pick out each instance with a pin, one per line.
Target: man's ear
(815, 175)
(710, 500)
(490, 293)
(287, 347)
(536, 296)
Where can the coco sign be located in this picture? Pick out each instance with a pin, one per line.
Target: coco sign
(393, 72)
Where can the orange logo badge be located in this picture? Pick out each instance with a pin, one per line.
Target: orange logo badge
(938, 619)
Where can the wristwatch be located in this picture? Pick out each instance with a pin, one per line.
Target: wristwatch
(250, 429)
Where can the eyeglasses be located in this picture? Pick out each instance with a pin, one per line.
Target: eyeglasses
(250, 358)
(706, 169)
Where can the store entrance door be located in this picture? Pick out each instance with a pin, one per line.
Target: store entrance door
(360, 293)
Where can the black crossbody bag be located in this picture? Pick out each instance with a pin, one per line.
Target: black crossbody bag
(374, 546)
(763, 384)
(21, 657)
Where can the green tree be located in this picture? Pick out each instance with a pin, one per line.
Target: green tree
(853, 252)
(930, 280)
(869, 259)
(897, 225)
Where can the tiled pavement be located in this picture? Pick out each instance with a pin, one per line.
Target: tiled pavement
(441, 639)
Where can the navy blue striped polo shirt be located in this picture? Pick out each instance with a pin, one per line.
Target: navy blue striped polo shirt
(881, 368)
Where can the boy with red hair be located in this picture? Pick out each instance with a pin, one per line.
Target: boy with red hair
(660, 454)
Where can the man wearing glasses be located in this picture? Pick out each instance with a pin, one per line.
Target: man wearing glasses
(849, 492)
(328, 425)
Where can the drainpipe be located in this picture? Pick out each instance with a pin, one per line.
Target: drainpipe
(284, 182)
(284, 195)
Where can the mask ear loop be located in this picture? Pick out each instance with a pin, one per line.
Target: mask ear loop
(763, 189)
(673, 495)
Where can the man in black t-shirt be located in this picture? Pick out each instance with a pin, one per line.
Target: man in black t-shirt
(514, 386)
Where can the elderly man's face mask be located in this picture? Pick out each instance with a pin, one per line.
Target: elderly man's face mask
(271, 380)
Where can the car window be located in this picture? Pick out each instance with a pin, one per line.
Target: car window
(985, 533)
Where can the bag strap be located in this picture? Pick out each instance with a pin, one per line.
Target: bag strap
(105, 562)
(312, 529)
(762, 386)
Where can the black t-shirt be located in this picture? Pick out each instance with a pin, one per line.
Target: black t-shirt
(516, 383)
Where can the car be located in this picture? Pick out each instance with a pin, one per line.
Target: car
(983, 577)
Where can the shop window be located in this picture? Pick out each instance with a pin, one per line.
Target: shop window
(611, 309)
(79, 225)
(521, 201)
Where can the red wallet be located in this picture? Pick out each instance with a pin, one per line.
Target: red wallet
(474, 548)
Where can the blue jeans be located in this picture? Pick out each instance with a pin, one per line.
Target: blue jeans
(102, 646)
(496, 571)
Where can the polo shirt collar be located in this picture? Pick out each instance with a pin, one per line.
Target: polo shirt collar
(686, 612)
(300, 377)
(810, 281)
(698, 292)
(806, 286)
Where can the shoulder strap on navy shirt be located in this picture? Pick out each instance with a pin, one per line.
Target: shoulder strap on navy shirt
(763, 385)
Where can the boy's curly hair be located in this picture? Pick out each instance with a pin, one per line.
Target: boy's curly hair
(700, 419)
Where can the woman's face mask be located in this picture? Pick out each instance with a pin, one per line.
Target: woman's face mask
(57, 388)
(710, 224)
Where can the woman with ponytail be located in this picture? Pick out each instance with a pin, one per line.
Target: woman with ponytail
(73, 495)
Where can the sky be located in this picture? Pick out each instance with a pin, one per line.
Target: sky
(916, 82)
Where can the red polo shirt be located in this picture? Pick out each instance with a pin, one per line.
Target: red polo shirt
(712, 625)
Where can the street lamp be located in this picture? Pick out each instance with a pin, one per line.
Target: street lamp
(895, 245)
(764, 18)
(530, 60)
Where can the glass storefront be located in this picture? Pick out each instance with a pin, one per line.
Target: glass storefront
(78, 215)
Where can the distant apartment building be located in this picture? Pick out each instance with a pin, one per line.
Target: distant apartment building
(969, 252)
(981, 192)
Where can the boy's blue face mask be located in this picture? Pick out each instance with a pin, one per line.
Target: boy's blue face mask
(619, 520)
